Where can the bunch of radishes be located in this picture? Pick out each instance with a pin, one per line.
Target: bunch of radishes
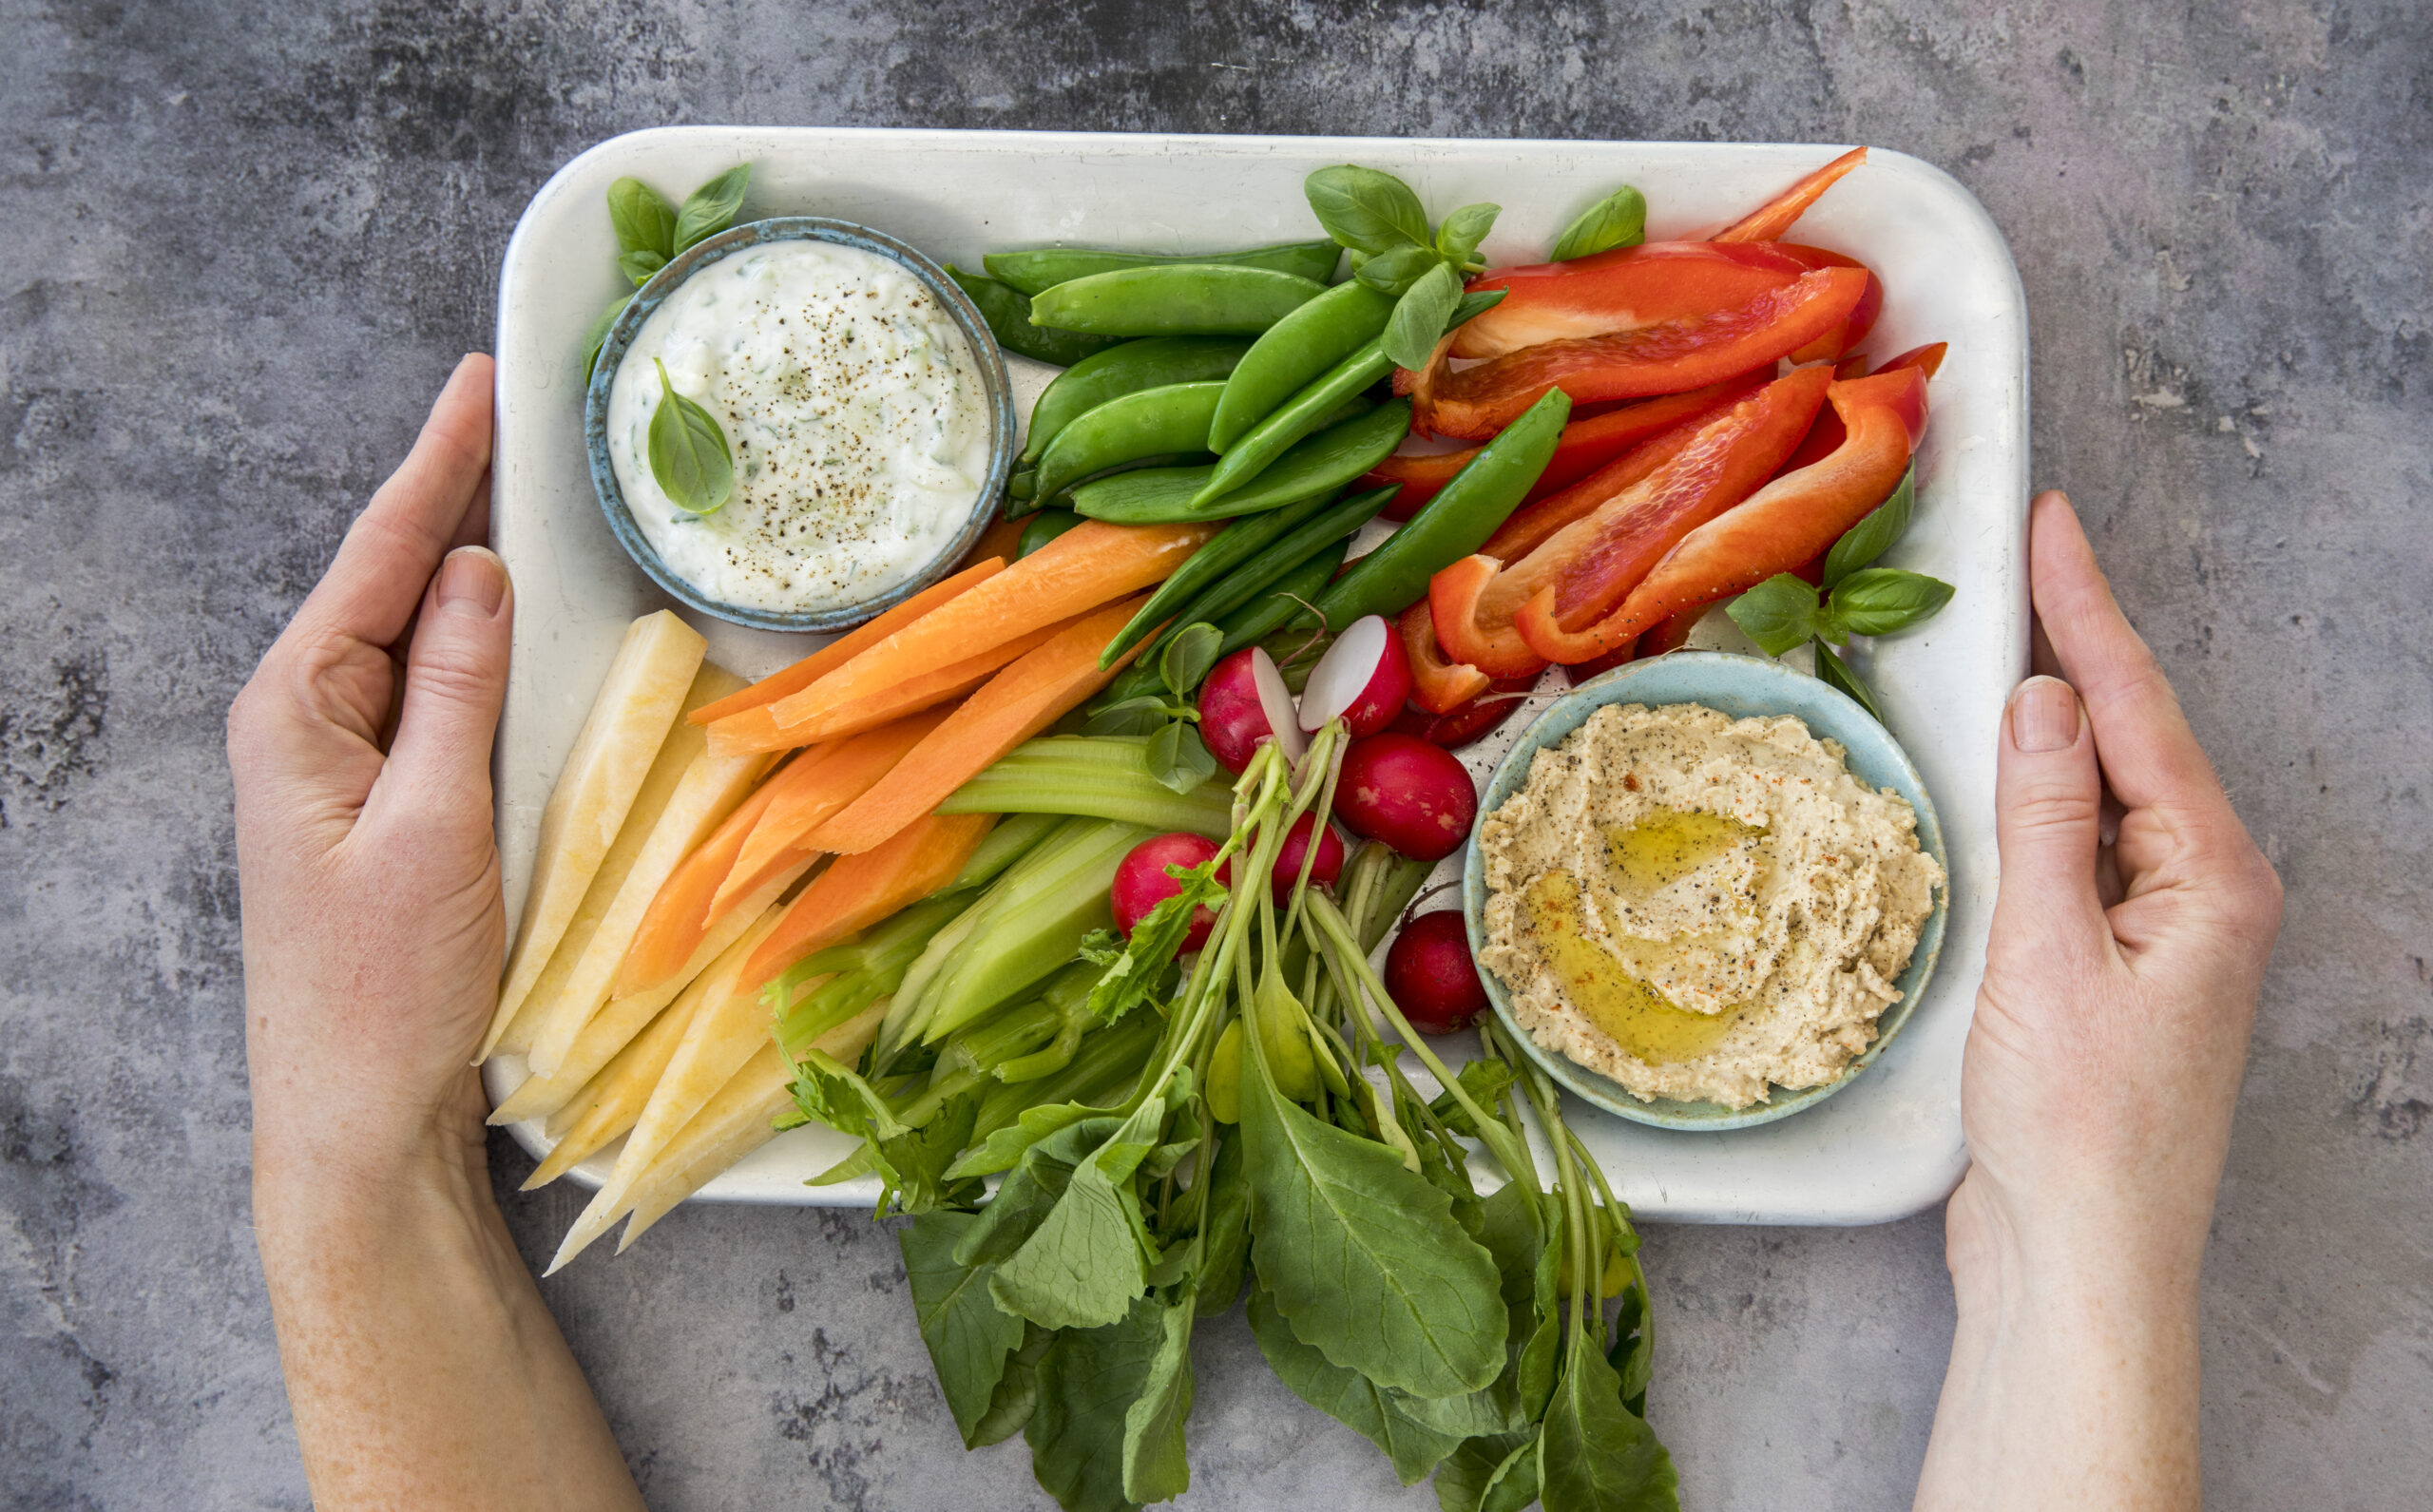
(1394, 788)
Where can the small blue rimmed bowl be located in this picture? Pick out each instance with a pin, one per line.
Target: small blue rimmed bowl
(1741, 687)
(997, 389)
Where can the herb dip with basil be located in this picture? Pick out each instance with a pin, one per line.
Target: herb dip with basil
(852, 409)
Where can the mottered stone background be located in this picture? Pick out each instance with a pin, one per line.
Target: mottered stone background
(241, 242)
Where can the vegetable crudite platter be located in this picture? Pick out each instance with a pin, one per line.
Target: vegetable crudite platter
(1196, 526)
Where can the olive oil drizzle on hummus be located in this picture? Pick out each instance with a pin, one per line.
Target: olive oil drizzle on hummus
(1630, 1012)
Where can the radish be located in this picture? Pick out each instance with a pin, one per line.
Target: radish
(1243, 703)
(1287, 862)
(1431, 976)
(1364, 676)
(1415, 796)
(1141, 884)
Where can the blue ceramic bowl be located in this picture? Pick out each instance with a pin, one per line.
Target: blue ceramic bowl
(996, 387)
(1741, 687)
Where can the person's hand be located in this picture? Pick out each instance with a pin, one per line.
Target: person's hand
(422, 1368)
(2128, 945)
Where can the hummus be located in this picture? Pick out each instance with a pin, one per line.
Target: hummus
(1702, 907)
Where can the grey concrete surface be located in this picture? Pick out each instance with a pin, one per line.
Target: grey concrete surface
(241, 242)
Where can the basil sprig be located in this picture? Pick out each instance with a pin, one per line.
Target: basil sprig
(1378, 218)
(650, 232)
(1620, 220)
(1855, 598)
(688, 455)
(1178, 757)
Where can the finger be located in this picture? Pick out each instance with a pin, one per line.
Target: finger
(2048, 806)
(455, 676)
(2149, 754)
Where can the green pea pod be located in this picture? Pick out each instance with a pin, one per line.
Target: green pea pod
(1022, 488)
(1296, 351)
(1037, 271)
(1303, 413)
(1455, 523)
(1319, 464)
(1283, 599)
(1008, 311)
(1235, 545)
(1045, 527)
(1151, 423)
(1176, 299)
(1334, 522)
(1127, 368)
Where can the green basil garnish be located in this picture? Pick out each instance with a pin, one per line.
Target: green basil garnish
(688, 455)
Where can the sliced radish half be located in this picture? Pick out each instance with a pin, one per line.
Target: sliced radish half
(1365, 678)
(1275, 700)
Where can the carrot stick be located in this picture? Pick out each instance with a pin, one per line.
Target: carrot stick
(849, 772)
(852, 643)
(1084, 567)
(913, 693)
(679, 915)
(1769, 220)
(1017, 703)
(858, 890)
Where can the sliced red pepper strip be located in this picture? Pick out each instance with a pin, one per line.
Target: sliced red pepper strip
(1437, 685)
(1665, 358)
(1862, 315)
(1468, 722)
(1826, 432)
(1791, 520)
(1620, 289)
(1769, 220)
(1491, 648)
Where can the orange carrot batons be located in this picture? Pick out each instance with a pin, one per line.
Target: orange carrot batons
(848, 645)
(858, 890)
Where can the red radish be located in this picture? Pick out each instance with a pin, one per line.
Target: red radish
(1243, 703)
(1142, 883)
(1415, 796)
(1431, 976)
(1288, 861)
(1364, 676)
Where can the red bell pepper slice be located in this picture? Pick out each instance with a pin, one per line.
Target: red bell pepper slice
(1673, 632)
(1826, 432)
(1791, 520)
(1437, 685)
(1621, 290)
(1769, 220)
(1468, 722)
(1665, 358)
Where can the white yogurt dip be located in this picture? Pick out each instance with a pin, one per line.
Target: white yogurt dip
(853, 407)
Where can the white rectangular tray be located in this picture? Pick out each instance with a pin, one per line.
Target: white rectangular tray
(1889, 1146)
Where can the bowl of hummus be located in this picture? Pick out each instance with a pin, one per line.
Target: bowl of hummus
(1707, 890)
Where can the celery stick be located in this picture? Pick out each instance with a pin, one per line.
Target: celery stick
(1101, 1072)
(1038, 912)
(1105, 777)
(1005, 844)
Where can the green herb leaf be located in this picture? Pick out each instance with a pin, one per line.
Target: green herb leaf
(1188, 656)
(1835, 673)
(1485, 1081)
(710, 208)
(639, 266)
(1458, 235)
(1395, 272)
(1874, 536)
(644, 219)
(1633, 1354)
(911, 1166)
(1620, 220)
(1474, 304)
(1596, 1455)
(1131, 717)
(597, 337)
(1494, 1474)
(1030, 1192)
(1156, 1466)
(968, 1335)
(1225, 1242)
(1086, 1261)
(1087, 1382)
(1004, 1147)
(1419, 319)
(1178, 759)
(1365, 210)
(1017, 1393)
(832, 1094)
(688, 455)
(1132, 975)
(1778, 613)
(1878, 601)
(1347, 1396)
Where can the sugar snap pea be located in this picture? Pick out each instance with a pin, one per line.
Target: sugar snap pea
(1295, 353)
(1303, 413)
(1151, 423)
(1335, 522)
(1045, 527)
(1124, 369)
(1287, 598)
(1046, 267)
(1008, 311)
(1176, 299)
(1234, 547)
(1319, 464)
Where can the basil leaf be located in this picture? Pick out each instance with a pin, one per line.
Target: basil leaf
(1186, 763)
(644, 219)
(1835, 673)
(1878, 601)
(1188, 656)
(1778, 613)
(1130, 716)
(1419, 319)
(1594, 1454)
(1458, 235)
(1872, 537)
(688, 455)
(1347, 1396)
(710, 208)
(1620, 220)
(968, 1335)
(1475, 303)
(598, 335)
(639, 266)
(1365, 210)
(1395, 272)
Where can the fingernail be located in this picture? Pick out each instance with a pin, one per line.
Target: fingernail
(2044, 716)
(472, 580)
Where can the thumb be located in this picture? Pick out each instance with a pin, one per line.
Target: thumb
(455, 676)
(2048, 803)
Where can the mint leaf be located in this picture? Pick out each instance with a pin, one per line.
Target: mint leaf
(1620, 220)
(688, 455)
(1874, 536)
(1878, 601)
(1835, 674)
(642, 218)
(1418, 320)
(710, 208)
(1365, 210)
(1458, 235)
(1778, 613)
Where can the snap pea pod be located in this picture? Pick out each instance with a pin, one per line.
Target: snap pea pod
(1008, 311)
(1318, 464)
(1295, 353)
(1151, 423)
(1455, 523)
(1022, 487)
(1043, 268)
(1335, 522)
(1304, 412)
(1045, 527)
(1178, 299)
(1125, 367)
(1234, 547)
(1284, 600)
